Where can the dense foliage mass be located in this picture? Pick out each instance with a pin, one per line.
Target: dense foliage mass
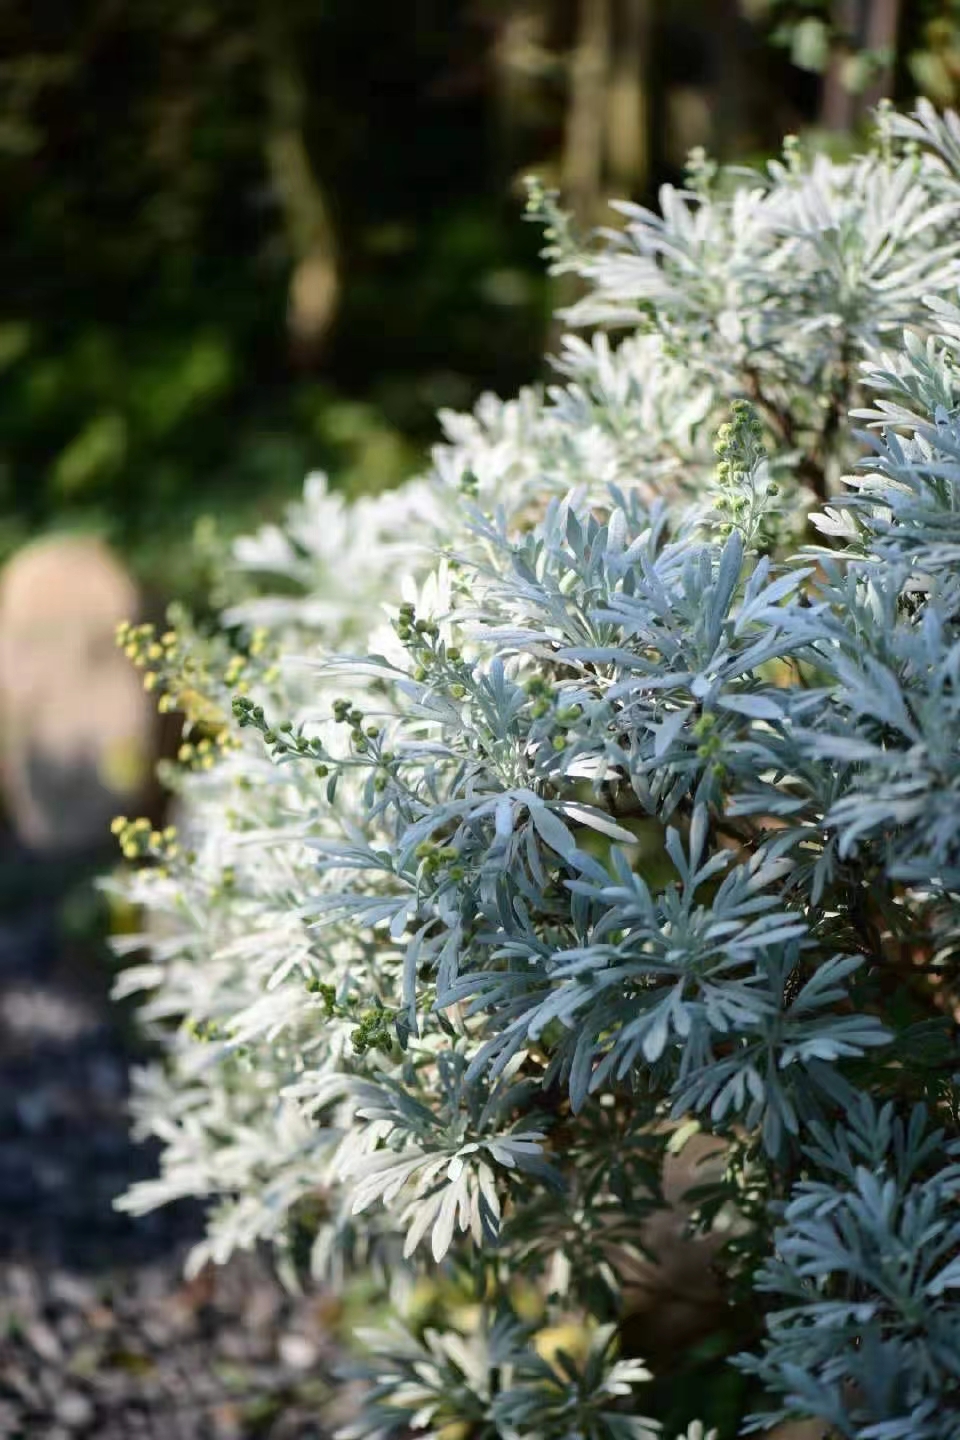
(246, 240)
(225, 262)
(637, 815)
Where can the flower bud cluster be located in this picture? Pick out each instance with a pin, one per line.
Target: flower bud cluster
(202, 754)
(284, 741)
(548, 704)
(739, 443)
(702, 171)
(744, 491)
(139, 840)
(326, 993)
(793, 154)
(202, 1030)
(183, 684)
(437, 859)
(419, 636)
(543, 207)
(159, 657)
(376, 1031)
(433, 657)
(366, 740)
(706, 731)
(375, 1025)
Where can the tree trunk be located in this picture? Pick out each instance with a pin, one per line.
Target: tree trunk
(314, 283)
(838, 106)
(883, 21)
(521, 58)
(628, 118)
(582, 166)
(869, 25)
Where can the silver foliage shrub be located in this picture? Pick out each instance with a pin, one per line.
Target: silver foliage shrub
(584, 794)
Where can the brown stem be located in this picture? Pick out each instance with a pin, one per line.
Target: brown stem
(810, 470)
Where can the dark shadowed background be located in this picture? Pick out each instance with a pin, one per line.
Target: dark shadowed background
(243, 238)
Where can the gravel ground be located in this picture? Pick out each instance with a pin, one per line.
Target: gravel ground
(99, 1332)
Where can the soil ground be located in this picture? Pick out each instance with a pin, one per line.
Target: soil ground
(99, 1333)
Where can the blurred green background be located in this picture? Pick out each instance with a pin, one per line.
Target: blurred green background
(247, 238)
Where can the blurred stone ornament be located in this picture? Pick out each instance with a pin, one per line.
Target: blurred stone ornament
(78, 735)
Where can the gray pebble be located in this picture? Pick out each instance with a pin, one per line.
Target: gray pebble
(74, 1410)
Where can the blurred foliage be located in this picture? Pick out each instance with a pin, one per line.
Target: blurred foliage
(245, 240)
(917, 40)
(148, 370)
